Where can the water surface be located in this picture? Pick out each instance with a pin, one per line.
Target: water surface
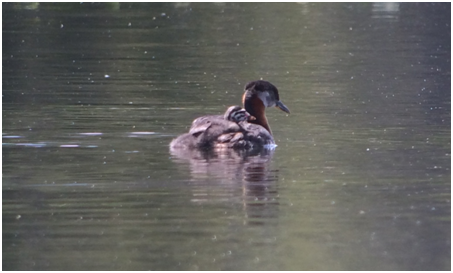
(94, 93)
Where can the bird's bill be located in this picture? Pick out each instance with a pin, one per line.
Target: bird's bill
(282, 107)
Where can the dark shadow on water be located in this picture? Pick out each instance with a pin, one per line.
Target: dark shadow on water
(234, 176)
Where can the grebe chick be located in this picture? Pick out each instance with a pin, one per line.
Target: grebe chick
(237, 114)
(212, 132)
(219, 132)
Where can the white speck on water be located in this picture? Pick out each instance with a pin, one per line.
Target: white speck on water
(143, 133)
(61, 26)
(12, 136)
(106, 76)
(91, 134)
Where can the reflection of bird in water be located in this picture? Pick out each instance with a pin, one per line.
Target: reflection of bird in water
(229, 174)
(237, 131)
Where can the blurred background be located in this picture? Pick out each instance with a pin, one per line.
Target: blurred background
(94, 93)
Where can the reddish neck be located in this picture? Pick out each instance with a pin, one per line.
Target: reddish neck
(256, 108)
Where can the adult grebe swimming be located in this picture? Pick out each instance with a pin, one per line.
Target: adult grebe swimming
(237, 128)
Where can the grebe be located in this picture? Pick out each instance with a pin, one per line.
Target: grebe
(237, 128)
